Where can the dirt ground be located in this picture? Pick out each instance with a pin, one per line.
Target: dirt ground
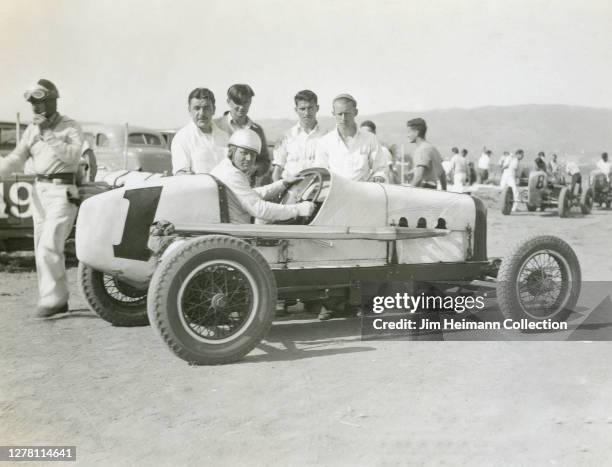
(313, 393)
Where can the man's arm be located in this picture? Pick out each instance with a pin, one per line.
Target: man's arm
(279, 159)
(263, 159)
(15, 161)
(378, 162)
(443, 179)
(271, 190)
(419, 171)
(181, 162)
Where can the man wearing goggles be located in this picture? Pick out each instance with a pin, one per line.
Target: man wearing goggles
(53, 143)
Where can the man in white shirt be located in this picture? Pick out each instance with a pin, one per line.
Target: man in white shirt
(483, 165)
(53, 143)
(297, 148)
(236, 170)
(604, 165)
(348, 151)
(510, 172)
(200, 145)
(459, 170)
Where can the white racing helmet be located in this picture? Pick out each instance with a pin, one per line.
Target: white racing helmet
(246, 139)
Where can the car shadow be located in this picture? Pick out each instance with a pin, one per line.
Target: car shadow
(298, 339)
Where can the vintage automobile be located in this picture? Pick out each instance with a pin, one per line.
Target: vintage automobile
(163, 251)
(542, 194)
(122, 147)
(602, 188)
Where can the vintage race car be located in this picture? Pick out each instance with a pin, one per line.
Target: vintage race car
(163, 251)
(541, 193)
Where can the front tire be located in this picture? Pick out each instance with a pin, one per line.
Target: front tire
(112, 300)
(212, 300)
(540, 279)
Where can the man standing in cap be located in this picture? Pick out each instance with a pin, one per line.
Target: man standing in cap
(349, 151)
(53, 142)
(296, 150)
(239, 98)
(427, 160)
(235, 172)
(200, 145)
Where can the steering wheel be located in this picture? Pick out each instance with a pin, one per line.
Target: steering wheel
(312, 190)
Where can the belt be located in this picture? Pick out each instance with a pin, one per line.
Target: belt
(59, 178)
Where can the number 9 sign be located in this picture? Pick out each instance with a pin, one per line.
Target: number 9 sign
(18, 196)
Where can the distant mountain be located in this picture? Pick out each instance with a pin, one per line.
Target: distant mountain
(575, 133)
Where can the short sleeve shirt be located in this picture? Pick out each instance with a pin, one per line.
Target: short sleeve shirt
(428, 157)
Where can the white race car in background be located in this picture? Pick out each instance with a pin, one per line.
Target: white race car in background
(163, 251)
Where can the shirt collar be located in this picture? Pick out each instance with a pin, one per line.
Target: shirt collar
(297, 129)
(200, 132)
(235, 125)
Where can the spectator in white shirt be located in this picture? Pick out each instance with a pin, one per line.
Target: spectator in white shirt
(510, 171)
(483, 166)
(391, 175)
(604, 165)
(200, 145)
(459, 170)
(297, 148)
(348, 151)
(236, 171)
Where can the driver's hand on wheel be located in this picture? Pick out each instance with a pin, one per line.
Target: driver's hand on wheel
(290, 180)
(305, 208)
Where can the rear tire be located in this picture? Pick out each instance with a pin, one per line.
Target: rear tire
(564, 202)
(586, 201)
(507, 201)
(112, 300)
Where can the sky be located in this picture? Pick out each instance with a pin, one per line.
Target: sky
(136, 61)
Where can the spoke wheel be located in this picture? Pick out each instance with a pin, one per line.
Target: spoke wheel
(114, 301)
(540, 279)
(212, 299)
(216, 301)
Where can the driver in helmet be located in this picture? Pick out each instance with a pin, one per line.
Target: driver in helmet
(236, 170)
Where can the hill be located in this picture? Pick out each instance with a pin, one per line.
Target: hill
(575, 133)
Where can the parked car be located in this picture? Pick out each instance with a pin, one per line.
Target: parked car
(163, 251)
(168, 137)
(141, 149)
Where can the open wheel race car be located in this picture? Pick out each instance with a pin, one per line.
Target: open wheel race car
(542, 194)
(163, 251)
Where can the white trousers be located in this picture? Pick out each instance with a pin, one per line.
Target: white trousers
(458, 181)
(53, 216)
(508, 179)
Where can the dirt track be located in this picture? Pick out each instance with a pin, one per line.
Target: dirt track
(313, 393)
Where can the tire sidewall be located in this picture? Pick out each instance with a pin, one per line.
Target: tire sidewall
(510, 303)
(167, 311)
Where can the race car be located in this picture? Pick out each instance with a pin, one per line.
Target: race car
(542, 193)
(163, 251)
(602, 189)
